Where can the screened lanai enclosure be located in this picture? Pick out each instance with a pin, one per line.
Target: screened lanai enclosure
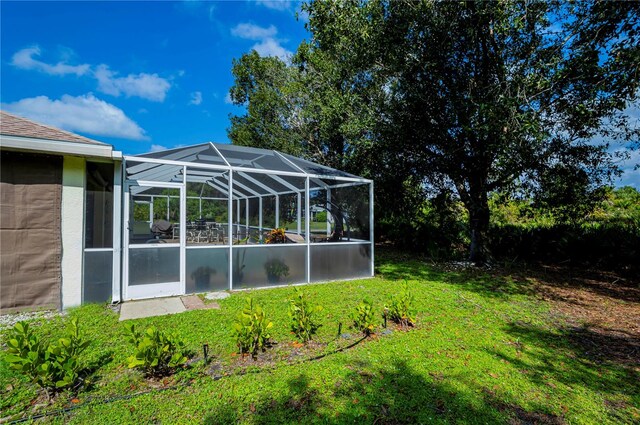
(215, 217)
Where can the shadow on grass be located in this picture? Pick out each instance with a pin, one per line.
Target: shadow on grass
(90, 372)
(509, 279)
(400, 266)
(392, 395)
(604, 283)
(567, 355)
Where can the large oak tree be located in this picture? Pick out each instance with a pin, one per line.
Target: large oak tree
(477, 97)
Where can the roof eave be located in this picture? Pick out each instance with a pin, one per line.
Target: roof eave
(59, 147)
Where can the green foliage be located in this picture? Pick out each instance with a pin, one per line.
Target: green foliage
(617, 207)
(251, 329)
(608, 237)
(53, 365)
(276, 236)
(156, 353)
(140, 211)
(242, 241)
(263, 85)
(276, 269)
(203, 271)
(306, 108)
(303, 316)
(364, 318)
(521, 230)
(439, 227)
(400, 307)
(620, 206)
(321, 216)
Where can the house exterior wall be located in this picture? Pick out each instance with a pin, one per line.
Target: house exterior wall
(72, 229)
(43, 181)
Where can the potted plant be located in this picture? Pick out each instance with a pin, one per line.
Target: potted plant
(276, 236)
(202, 276)
(276, 269)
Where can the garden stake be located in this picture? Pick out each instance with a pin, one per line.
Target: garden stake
(339, 329)
(205, 351)
(384, 316)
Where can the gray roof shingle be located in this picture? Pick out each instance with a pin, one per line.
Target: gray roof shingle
(12, 125)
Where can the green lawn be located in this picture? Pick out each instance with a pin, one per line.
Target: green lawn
(484, 351)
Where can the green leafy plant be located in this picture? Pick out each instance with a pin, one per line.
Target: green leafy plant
(251, 329)
(303, 316)
(276, 269)
(400, 307)
(363, 318)
(51, 365)
(276, 236)
(156, 353)
(242, 241)
(201, 272)
(202, 277)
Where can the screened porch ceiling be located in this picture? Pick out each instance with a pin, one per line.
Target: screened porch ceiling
(256, 172)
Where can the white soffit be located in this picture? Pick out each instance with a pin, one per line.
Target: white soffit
(58, 147)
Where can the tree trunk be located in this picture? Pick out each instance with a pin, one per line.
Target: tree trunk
(479, 226)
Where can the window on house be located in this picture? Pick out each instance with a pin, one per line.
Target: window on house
(99, 206)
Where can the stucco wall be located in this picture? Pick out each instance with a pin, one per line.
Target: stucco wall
(73, 176)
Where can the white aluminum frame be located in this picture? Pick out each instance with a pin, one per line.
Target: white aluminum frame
(132, 292)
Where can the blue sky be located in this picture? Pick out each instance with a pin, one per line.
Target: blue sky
(145, 76)
(139, 75)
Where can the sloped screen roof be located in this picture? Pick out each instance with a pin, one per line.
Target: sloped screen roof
(255, 171)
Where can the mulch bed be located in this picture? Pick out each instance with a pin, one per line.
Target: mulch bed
(601, 309)
(292, 352)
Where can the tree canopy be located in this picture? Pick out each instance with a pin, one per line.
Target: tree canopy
(464, 97)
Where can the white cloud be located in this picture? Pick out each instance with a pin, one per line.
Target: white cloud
(26, 59)
(271, 47)
(146, 86)
(275, 4)
(633, 112)
(253, 32)
(630, 174)
(158, 148)
(227, 99)
(268, 44)
(196, 98)
(85, 114)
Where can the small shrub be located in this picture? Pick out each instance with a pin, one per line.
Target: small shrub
(156, 353)
(276, 236)
(251, 329)
(302, 314)
(51, 365)
(276, 269)
(363, 318)
(400, 307)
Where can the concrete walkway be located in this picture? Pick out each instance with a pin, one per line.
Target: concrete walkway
(162, 306)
